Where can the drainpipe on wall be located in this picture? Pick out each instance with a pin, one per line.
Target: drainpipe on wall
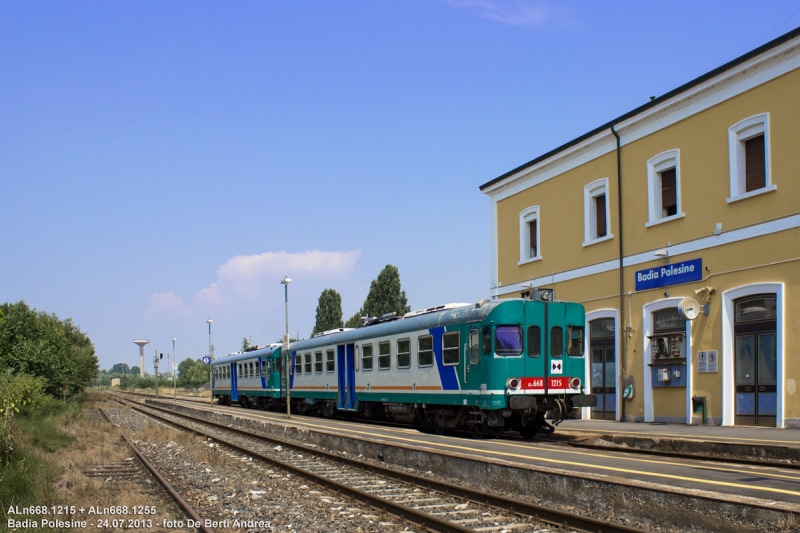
(621, 274)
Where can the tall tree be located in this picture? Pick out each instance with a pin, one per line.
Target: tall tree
(386, 295)
(245, 343)
(354, 321)
(329, 312)
(120, 368)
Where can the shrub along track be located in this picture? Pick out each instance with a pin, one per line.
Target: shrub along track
(432, 505)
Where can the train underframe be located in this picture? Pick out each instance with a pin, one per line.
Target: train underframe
(528, 415)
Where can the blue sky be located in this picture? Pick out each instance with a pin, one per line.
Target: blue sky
(166, 162)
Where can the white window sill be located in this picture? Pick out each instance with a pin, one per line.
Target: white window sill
(531, 260)
(595, 241)
(763, 190)
(665, 219)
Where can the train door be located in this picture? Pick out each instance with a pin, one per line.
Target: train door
(234, 383)
(473, 369)
(553, 348)
(341, 377)
(603, 368)
(755, 356)
(346, 376)
(534, 355)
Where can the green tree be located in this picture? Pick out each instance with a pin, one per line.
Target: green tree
(192, 373)
(120, 368)
(329, 312)
(40, 344)
(134, 370)
(386, 295)
(245, 343)
(354, 321)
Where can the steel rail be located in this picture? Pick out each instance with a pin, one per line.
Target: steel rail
(600, 447)
(187, 508)
(519, 507)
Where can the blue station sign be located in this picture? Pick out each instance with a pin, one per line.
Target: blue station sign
(666, 275)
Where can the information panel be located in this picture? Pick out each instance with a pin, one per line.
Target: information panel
(663, 276)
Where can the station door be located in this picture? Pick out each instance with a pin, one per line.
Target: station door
(755, 355)
(603, 368)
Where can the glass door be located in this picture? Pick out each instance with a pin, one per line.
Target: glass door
(603, 368)
(755, 361)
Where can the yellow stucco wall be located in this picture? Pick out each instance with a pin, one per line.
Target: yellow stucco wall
(705, 186)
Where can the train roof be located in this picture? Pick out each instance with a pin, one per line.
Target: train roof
(266, 351)
(431, 317)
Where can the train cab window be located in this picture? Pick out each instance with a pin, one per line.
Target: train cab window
(263, 368)
(366, 357)
(330, 361)
(404, 353)
(279, 365)
(384, 355)
(318, 362)
(425, 350)
(534, 341)
(486, 340)
(308, 363)
(575, 340)
(298, 364)
(451, 353)
(508, 340)
(556, 341)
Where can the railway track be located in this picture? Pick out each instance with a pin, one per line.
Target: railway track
(131, 470)
(555, 441)
(429, 505)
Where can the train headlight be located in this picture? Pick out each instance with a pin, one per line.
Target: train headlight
(575, 383)
(513, 383)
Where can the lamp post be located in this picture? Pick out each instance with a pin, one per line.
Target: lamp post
(174, 362)
(285, 282)
(211, 360)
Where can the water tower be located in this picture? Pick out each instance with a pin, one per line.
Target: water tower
(141, 343)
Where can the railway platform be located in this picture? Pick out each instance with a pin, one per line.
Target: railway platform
(741, 442)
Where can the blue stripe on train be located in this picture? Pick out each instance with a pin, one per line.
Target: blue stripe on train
(446, 373)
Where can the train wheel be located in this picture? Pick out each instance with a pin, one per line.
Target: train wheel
(478, 431)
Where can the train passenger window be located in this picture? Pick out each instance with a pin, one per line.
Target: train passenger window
(239, 370)
(384, 355)
(556, 341)
(404, 353)
(366, 357)
(330, 361)
(318, 362)
(508, 340)
(451, 353)
(487, 340)
(298, 364)
(534, 341)
(308, 363)
(425, 350)
(252, 370)
(574, 340)
(474, 354)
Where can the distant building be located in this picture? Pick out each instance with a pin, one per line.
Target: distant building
(698, 198)
(115, 382)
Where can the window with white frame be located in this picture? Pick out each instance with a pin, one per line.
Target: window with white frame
(529, 249)
(596, 218)
(664, 187)
(748, 156)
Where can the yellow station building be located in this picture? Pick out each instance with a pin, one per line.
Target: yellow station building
(677, 225)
